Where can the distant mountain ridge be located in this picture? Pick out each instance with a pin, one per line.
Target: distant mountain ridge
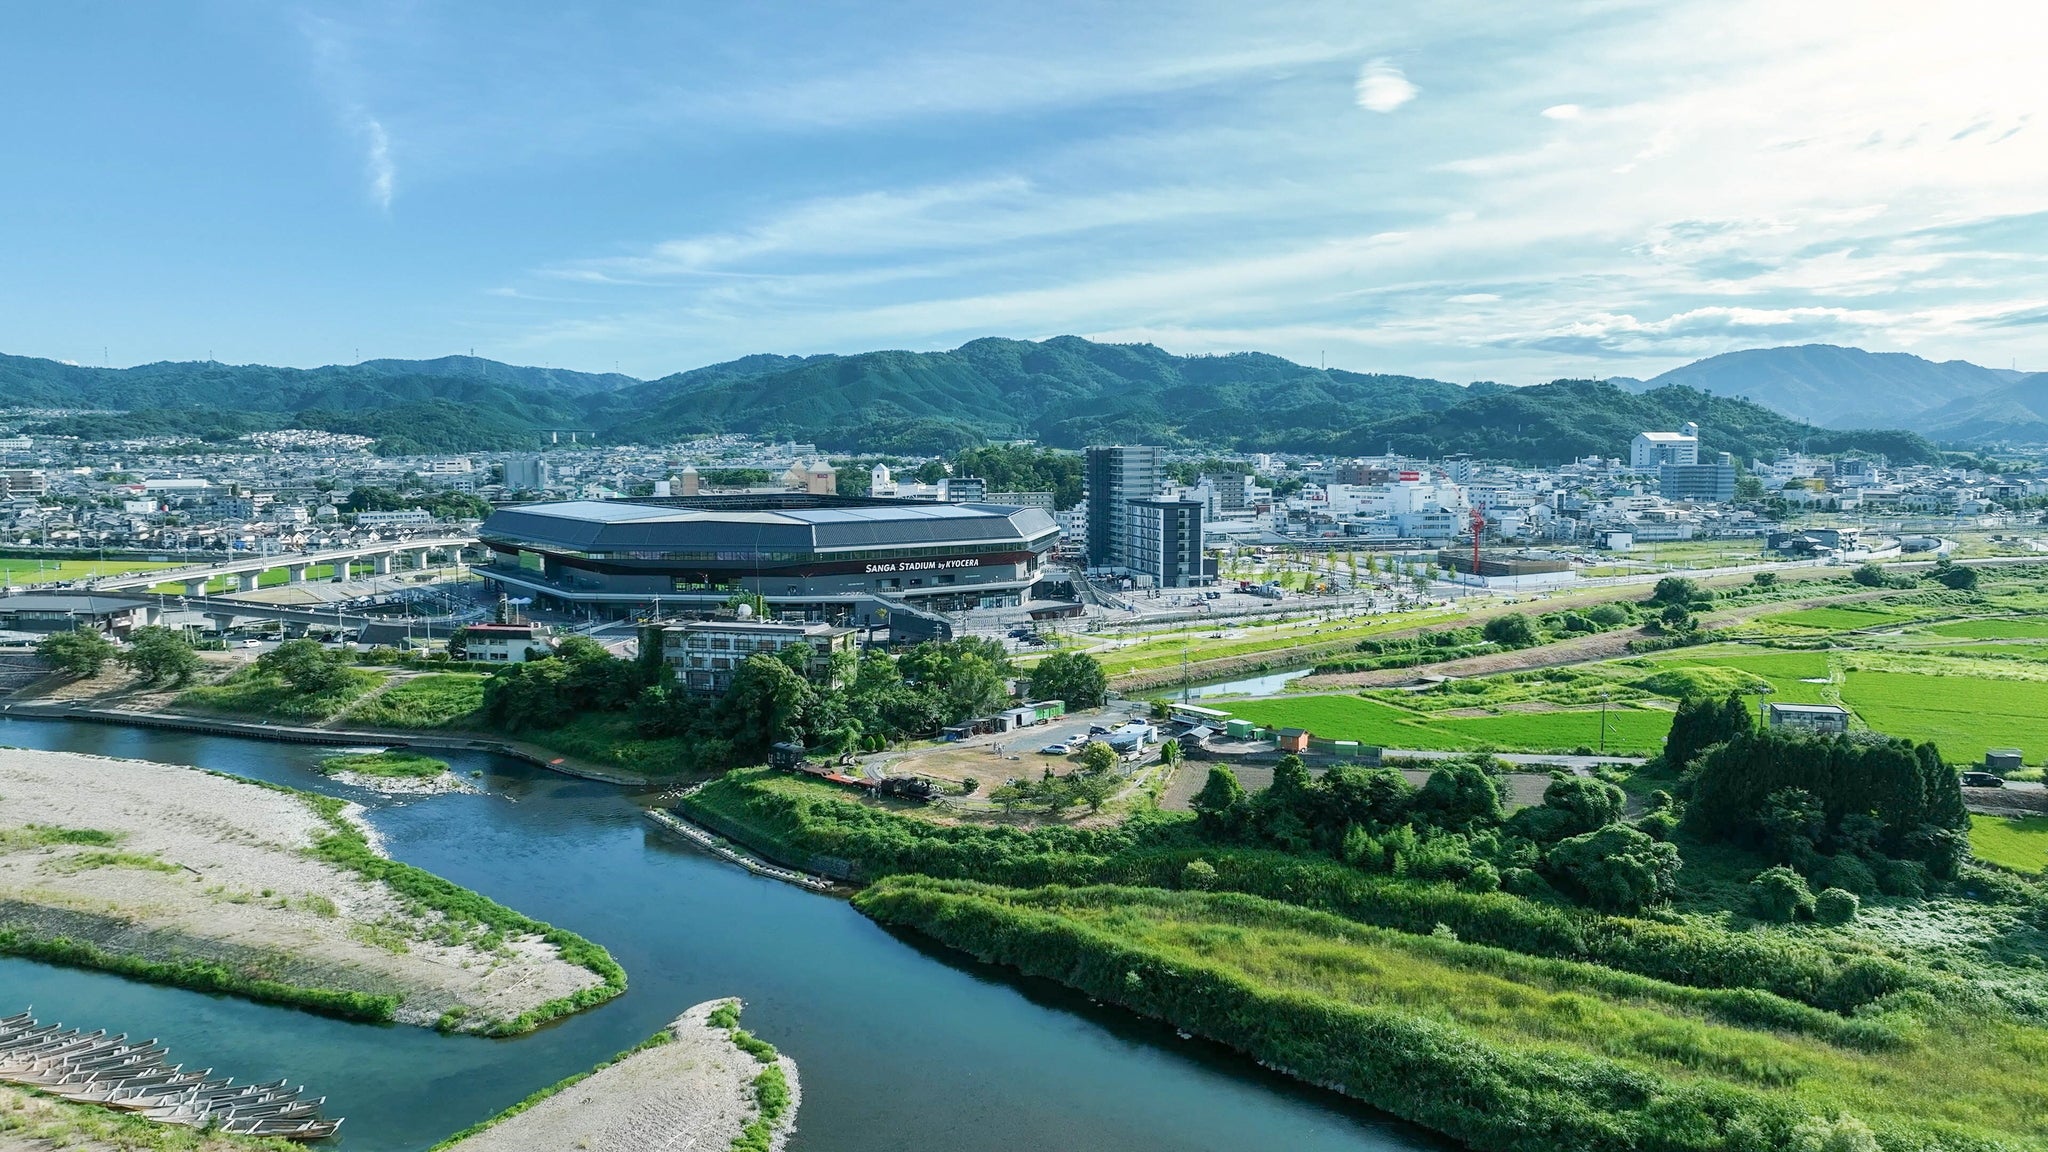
(1064, 392)
(1834, 386)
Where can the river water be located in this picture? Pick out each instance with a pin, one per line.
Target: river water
(902, 1046)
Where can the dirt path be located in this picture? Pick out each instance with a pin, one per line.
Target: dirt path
(692, 1094)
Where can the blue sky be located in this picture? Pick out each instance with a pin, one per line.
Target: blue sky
(1465, 190)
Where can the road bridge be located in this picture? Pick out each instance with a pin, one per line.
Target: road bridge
(248, 571)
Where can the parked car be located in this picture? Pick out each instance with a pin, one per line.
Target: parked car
(252, 643)
(1983, 780)
(1056, 750)
(1097, 730)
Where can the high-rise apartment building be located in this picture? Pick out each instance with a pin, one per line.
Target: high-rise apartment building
(1166, 541)
(1115, 475)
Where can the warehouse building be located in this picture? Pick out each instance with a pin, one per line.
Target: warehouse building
(847, 560)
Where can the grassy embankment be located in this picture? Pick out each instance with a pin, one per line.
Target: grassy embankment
(1540, 1026)
(392, 765)
(252, 691)
(1499, 1050)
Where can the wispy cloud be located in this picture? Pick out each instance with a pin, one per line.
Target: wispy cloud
(334, 63)
(1382, 87)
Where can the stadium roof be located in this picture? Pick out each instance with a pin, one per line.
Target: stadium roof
(603, 526)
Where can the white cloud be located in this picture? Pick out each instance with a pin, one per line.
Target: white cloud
(1382, 87)
(1563, 112)
(377, 161)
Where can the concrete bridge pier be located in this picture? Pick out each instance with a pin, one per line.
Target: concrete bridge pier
(382, 563)
(341, 571)
(196, 587)
(296, 573)
(419, 559)
(249, 581)
(222, 621)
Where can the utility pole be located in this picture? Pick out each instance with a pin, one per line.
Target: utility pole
(1603, 723)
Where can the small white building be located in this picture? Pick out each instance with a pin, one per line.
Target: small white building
(502, 643)
(1653, 450)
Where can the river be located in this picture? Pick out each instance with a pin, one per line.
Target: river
(902, 1046)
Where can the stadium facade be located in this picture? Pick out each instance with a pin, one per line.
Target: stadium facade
(849, 560)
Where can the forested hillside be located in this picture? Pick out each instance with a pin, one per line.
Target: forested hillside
(1064, 392)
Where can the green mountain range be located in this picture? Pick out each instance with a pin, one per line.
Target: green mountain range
(1065, 392)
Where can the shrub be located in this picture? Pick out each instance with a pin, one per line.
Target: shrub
(1848, 874)
(1616, 868)
(1512, 630)
(1199, 875)
(1835, 906)
(1780, 895)
(1659, 826)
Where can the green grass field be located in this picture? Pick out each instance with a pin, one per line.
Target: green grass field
(252, 692)
(1165, 652)
(2021, 845)
(1964, 715)
(422, 702)
(1786, 671)
(1835, 619)
(2008, 629)
(1370, 722)
(15, 570)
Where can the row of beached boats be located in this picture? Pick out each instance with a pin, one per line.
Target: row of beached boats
(115, 1072)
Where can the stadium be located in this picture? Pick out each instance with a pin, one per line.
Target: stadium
(850, 560)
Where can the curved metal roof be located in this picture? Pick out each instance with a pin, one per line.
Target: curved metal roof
(603, 526)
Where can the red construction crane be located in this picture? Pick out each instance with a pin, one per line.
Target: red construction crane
(1478, 526)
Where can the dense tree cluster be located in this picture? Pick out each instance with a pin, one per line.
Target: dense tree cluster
(857, 704)
(160, 655)
(443, 504)
(1452, 828)
(1849, 808)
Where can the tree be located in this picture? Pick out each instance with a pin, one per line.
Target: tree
(157, 654)
(1868, 575)
(1701, 723)
(1957, 577)
(1794, 822)
(304, 665)
(764, 705)
(1094, 789)
(1765, 579)
(1098, 757)
(1458, 796)
(1512, 630)
(1677, 590)
(1780, 895)
(1220, 807)
(1363, 797)
(1616, 868)
(1676, 617)
(79, 652)
(1074, 677)
(1571, 807)
(1169, 753)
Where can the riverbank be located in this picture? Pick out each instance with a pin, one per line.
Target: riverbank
(309, 734)
(186, 877)
(696, 1085)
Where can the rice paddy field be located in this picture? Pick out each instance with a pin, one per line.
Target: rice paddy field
(1843, 619)
(1964, 715)
(2018, 844)
(2010, 628)
(1629, 729)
